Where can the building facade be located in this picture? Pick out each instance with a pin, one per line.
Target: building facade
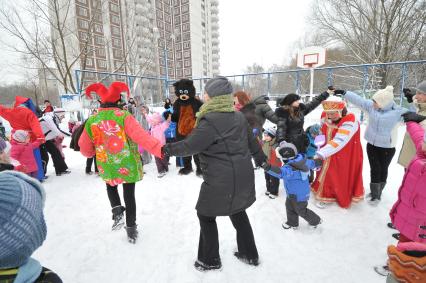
(143, 38)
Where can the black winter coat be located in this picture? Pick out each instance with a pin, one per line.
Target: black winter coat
(75, 136)
(249, 111)
(291, 129)
(263, 111)
(225, 145)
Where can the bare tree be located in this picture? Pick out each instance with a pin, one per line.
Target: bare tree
(374, 31)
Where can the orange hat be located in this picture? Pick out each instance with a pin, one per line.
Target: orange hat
(111, 94)
(333, 103)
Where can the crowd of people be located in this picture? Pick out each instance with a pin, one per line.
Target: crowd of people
(224, 133)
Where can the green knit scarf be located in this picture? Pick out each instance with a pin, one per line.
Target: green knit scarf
(221, 103)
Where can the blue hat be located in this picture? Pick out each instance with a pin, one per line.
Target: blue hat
(22, 225)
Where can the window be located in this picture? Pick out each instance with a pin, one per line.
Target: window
(98, 28)
(186, 36)
(177, 3)
(179, 73)
(100, 52)
(159, 14)
(179, 64)
(185, 18)
(177, 11)
(168, 28)
(186, 54)
(99, 40)
(89, 62)
(177, 20)
(185, 27)
(116, 42)
(115, 19)
(101, 64)
(117, 53)
(178, 46)
(83, 36)
(168, 18)
(82, 11)
(115, 31)
(84, 2)
(178, 38)
(178, 55)
(185, 8)
(203, 24)
(184, 1)
(97, 17)
(186, 45)
(96, 4)
(187, 63)
(159, 5)
(114, 8)
(187, 72)
(83, 24)
(160, 24)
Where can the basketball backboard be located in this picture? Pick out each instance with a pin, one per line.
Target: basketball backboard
(311, 57)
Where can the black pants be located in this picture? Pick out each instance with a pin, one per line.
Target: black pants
(296, 208)
(58, 160)
(187, 161)
(380, 159)
(129, 200)
(162, 164)
(272, 184)
(208, 246)
(89, 163)
(170, 140)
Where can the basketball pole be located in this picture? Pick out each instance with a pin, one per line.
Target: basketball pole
(311, 88)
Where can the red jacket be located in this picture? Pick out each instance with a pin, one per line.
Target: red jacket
(22, 118)
(24, 153)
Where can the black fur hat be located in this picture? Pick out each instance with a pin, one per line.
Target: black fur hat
(184, 86)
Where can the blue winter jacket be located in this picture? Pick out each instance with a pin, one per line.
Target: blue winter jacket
(312, 148)
(170, 132)
(381, 122)
(295, 174)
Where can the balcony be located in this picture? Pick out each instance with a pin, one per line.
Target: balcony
(215, 41)
(215, 34)
(215, 26)
(215, 57)
(214, 18)
(214, 3)
(215, 49)
(214, 10)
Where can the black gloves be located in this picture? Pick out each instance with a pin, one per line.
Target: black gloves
(266, 166)
(408, 94)
(165, 151)
(318, 162)
(413, 117)
(339, 92)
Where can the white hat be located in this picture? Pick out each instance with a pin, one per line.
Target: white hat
(384, 97)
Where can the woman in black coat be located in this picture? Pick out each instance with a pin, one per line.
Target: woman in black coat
(291, 117)
(243, 104)
(225, 145)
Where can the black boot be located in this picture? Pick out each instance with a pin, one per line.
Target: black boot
(245, 259)
(118, 217)
(375, 192)
(201, 266)
(132, 234)
(185, 171)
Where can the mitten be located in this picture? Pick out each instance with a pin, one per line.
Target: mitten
(408, 94)
(413, 117)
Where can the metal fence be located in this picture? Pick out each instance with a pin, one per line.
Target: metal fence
(363, 79)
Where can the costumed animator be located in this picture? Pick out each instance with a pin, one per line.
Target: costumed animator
(23, 117)
(184, 110)
(113, 135)
(340, 178)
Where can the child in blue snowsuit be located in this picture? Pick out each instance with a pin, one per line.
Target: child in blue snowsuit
(295, 173)
(312, 132)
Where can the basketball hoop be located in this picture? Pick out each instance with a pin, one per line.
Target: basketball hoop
(311, 57)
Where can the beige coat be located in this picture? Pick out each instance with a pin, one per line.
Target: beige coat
(408, 150)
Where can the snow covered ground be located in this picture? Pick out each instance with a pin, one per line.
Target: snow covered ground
(81, 247)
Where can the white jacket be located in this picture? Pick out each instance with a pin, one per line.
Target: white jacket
(49, 127)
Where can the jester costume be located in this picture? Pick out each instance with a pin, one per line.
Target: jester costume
(113, 136)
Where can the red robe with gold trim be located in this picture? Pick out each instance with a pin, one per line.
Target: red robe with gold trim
(340, 178)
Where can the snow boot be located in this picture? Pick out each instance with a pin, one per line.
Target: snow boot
(390, 225)
(118, 217)
(272, 196)
(245, 259)
(185, 171)
(201, 266)
(132, 233)
(287, 227)
(375, 193)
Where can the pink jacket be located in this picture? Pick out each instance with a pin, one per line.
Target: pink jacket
(158, 131)
(133, 130)
(408, 214)
(24, 153)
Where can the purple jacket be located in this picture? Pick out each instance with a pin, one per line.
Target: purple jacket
(408, 214)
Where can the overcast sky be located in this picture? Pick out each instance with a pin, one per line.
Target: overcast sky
(259, 31)
(250, 31)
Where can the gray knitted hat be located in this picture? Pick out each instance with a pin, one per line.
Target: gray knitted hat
(22, 225)
(218, 86)
(421, 87)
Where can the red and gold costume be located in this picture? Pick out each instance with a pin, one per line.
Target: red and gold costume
(340, 178)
